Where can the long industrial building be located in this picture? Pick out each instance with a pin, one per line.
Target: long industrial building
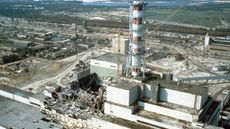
(162, 104)
(220, 44)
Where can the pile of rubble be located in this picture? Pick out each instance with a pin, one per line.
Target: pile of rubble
(76, 103)
(81, 66)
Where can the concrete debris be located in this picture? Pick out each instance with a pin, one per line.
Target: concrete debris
(76, 103)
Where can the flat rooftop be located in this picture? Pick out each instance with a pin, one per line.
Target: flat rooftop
(183, 87)
(124, 85)
(18, 116)
(193, 89)
(111, 57)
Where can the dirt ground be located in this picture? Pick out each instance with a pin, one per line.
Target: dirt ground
(36, 69)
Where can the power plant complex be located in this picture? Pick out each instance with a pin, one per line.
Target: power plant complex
(100, 78)
(137, 96)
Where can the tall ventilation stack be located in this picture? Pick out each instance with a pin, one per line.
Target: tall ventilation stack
(134, 61)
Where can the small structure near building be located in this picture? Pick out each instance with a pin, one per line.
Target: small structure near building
(81, 70)
(120, 45)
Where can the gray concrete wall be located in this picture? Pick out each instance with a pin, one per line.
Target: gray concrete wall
(133, 95)
(166, 111)
(177, 97)
(117, 95)
(83, 74)
(101, 72)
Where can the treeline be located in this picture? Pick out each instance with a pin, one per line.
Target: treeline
(208, 6)
(33, 15)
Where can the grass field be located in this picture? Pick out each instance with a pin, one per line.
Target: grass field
(209, 15)
(199, 15)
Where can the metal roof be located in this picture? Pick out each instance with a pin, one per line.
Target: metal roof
(111, 57)
(18, 115)
(193, 89)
